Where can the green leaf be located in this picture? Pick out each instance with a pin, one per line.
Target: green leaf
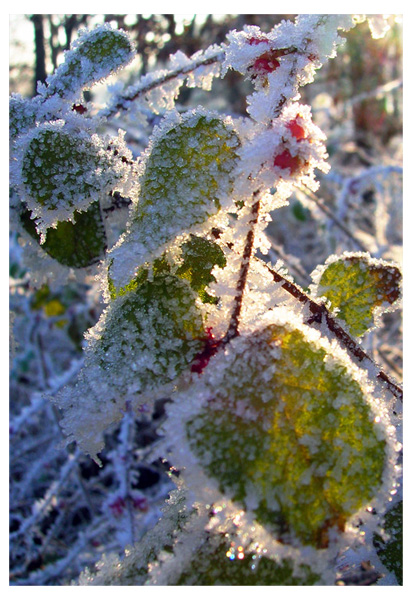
(219, 562)
(95, 54)
(288, 432)
(358, 286)
(77, 244)
(22, 115)
(188, 174)
(62, 172)
(151, 334)
(390, 550)
(199, 257)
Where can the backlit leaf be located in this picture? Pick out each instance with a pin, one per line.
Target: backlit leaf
(188, 174)
(95, 54)
(287, 431)
(358, 286)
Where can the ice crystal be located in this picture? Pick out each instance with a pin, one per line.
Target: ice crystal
(62, 168)
(187, 177)
(359, 287)
(94, 55)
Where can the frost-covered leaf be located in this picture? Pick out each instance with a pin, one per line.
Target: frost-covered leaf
(390, 550)
(289, 432)
(94, 55)
(75, 244)
(141, 344)
(187, 176)
(22, 115)
(199, 258)
(218, 561)
(358, 286)
(63, 170)
(163, 325)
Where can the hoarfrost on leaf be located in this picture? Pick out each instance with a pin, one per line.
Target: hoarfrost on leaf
(188, 177)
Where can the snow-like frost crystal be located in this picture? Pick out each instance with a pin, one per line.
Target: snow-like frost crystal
(289, 430)
(75, 244)
(203, 556)
(62, 169)
(22, 115)
(142, 343)
(359, 287)
(284, 59)
(94, 55)
(187, 177)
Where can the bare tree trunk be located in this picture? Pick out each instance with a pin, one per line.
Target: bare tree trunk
(40, 53)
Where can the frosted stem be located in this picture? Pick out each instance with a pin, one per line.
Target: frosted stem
(319, 314)
(243, 273)
(164, 79)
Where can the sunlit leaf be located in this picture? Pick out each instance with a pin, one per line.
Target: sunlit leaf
(358, 286)
(199, 258)
(218, 562)
(188, 173)
(288, 432)
(95, 55)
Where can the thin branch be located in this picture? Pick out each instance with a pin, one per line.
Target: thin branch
(243, 273)
(136, 93)
(321, 314)
(333, 217)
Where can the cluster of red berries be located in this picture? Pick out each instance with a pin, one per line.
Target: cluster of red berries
(285, 160)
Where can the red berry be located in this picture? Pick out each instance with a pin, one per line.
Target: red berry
(286, 161)
(297, 130)
(141, 503)
(79, 108)
(268, 62)
(254, 41)
(202, 358)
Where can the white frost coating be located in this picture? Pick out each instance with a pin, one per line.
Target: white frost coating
(284, 155)
(155, 221)
(85, 63)
(76, 168)
(204, 490)
(379, 25)
(157, 91)
(284, 59)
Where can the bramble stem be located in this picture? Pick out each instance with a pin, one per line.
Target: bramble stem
(243, 273)
(164, 79)
(319, 314)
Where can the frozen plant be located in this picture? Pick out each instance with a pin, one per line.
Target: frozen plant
(286, 434)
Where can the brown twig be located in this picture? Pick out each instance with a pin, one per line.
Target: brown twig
(164, 79)
(319, 314)
(243, 273)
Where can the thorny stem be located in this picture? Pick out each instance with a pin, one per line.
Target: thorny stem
(284, 99)
(243, 273)
(320, 314)
(164, 79)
